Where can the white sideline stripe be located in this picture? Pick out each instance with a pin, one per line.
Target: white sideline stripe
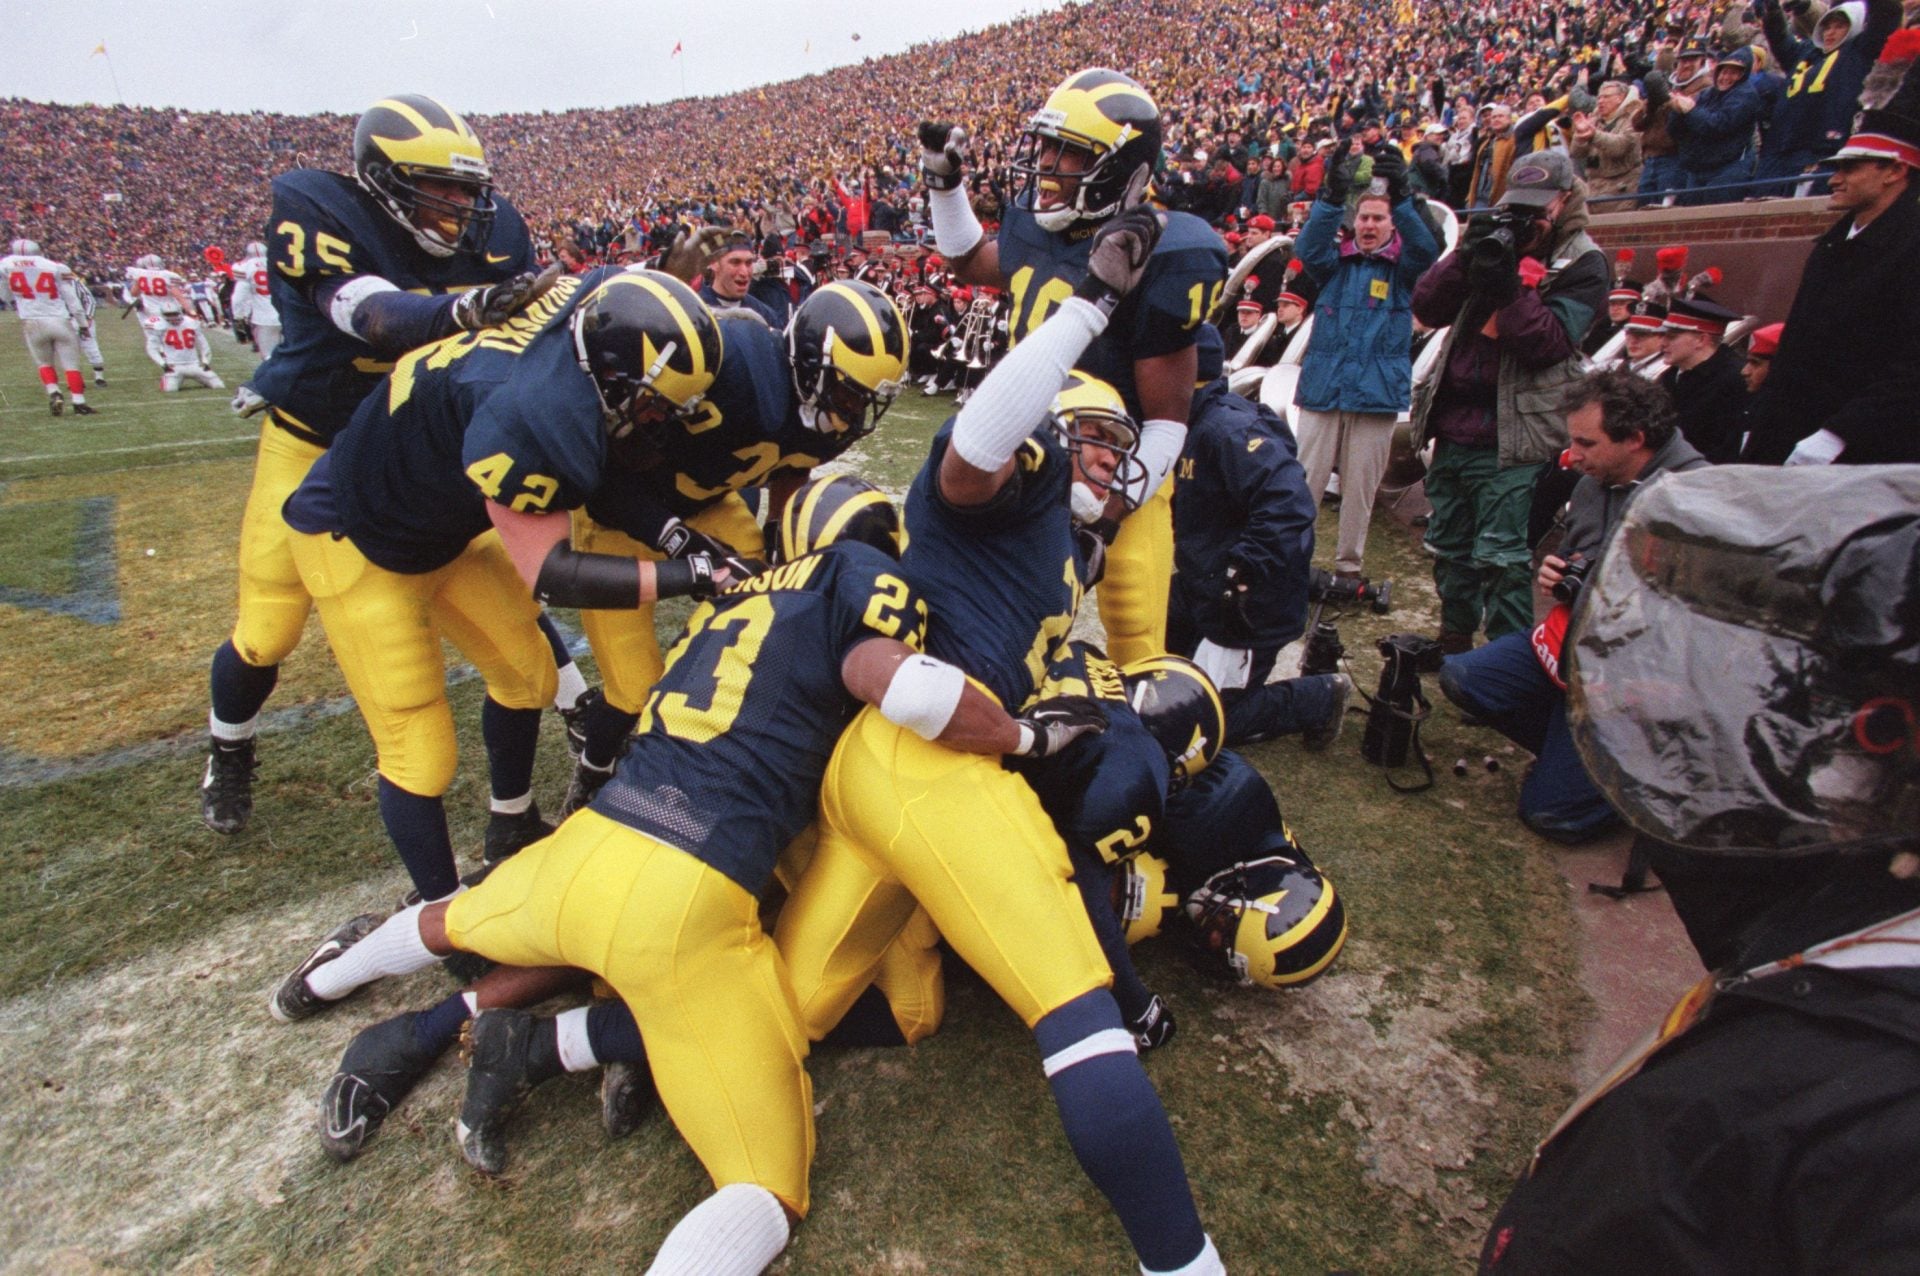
(115, 451)
(1106, 1041)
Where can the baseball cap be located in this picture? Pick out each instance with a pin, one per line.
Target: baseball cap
(1260, 222)
(1535, 180)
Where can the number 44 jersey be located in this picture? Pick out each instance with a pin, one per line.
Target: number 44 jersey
(735, 737)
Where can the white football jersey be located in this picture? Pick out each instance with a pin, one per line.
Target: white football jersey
(151, 287)
(182, 344)
(251, 300)
(41, 287)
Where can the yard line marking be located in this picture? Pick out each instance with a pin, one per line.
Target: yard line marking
(115, 451)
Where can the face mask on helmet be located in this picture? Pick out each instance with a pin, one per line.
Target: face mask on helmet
(427, 170)
(848, 350)
(1180, 707)
(840, 507)
(1090, 420)
(652, 348)
(1277, 922)
(1093, 147)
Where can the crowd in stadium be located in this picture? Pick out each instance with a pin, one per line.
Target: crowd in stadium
(623, 395)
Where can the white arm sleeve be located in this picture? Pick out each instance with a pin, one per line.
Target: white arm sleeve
(349, 296)
(956, 231)
(1160, 445)
(1016, 395)
(240, 300)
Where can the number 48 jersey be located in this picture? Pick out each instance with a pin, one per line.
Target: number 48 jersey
(734, 739)
(1164, 314)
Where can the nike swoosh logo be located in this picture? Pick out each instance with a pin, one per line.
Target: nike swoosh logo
(495, 261)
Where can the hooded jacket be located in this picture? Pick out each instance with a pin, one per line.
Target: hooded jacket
(1823, 89)
(1717, 130)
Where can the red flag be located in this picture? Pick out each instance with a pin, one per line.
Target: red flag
(676, 50)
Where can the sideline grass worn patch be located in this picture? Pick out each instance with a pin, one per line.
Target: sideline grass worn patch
(153, 1116)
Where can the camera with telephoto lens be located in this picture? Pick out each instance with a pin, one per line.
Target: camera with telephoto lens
(1572, 579)
(1400, 705)
(1325, 587)
(1511, 226)
(1323, 650)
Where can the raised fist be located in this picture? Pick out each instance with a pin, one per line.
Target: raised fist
(1121, 250)
(943, 154)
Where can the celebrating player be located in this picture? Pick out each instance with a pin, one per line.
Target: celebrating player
(411, 248)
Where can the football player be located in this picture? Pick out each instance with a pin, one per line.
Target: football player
(52, 315)
(149, 283)
(89, 334)
(184, 350)
(253, 311)
(906, 823)
(653, 887)
(778, 407)
(1088, 153)
(393, 531)
(414, 246)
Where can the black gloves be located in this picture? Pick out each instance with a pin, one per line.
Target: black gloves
(1153, 1026)
(943, 155)
(1235, 594)
(1390, 166)
(497, 303)
(677, 540)
(1658, 90)
(1053, 724)
(1119, 257)
(1339, 179)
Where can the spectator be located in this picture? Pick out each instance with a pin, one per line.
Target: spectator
(1605, 144)
(1517, 302)
(1270, 200)
(1621, 435)
(1660, 169)
(1824, 76)
(1715, 129)
(1430, 162)
(1492, 157)
(1357, 374)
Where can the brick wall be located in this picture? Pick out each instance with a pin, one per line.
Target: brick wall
(1760, 247)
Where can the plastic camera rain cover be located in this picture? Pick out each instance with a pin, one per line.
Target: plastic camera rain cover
(1746, 667)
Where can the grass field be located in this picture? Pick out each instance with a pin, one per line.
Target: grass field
(153, 1117)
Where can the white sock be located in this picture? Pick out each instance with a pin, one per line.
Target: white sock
(234, 731)
(394, 948)
(576, 1052)
(511, 806)
(1205, 1263)
(473, 1002)
(737, 1231)
(572, 685)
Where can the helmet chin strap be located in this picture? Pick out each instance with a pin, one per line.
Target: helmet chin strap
(1088, 505)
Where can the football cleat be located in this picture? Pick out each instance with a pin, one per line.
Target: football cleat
(626, 1096)
(576, 720)
(380, 1068)
(100, 379)
(226, 790)
(587, 781)
(499, 1078)
(1320, 737)
(507, 835)
(293, 1000)
(84, 409)
(55, 404)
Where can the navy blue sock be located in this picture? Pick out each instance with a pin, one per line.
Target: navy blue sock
(512, 735)
(1095, 880)
(556, 640)
(606, 727)
(418, 827)
(1120, 1135)
(869, 1021)
(239, 689)
(436, 1029)
(613, 1034)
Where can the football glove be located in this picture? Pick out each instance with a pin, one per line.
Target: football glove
(1118, 259)
(688, 577)
(692, 251)
(943, 155)
(1053, 724)
(677, 540)
(247, 403)
(1153, 1026)
(497, 303)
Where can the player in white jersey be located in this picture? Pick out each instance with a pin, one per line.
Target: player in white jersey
(50, 315)
(89, 334)
(149, 283)
(187, 354)
(252, 306)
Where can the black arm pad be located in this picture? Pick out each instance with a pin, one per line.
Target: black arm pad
(597, 582)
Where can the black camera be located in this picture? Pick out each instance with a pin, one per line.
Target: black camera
(1510, 226)
(1323, 651)
(1567, 588)
(1394, 717)
(1325, 587)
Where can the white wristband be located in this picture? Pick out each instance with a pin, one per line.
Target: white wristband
(923, 695)
(350, 295)
(956, 231)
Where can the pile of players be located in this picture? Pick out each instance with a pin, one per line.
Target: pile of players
(884, 713)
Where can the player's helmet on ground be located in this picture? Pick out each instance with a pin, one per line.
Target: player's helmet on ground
(840, 507)
(171, 312)
(651, 346)
(405, 139)
(1089, 411)
(1110, 120)
(1142, 896)
(1277, 921)
(24, 248)
(1180, 706)
(256, 249)
(847, 343)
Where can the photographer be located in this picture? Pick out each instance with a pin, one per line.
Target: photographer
(1621, 434)
(1517, 297)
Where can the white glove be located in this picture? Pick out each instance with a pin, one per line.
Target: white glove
(1822, 447)
(247, 403)
(1229, 667)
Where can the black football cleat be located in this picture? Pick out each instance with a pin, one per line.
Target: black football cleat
(380, 1068)
(226, 789)
(626, 1097)
(499, 1078)
(84, 409)
(56, 404)
(587, 781)
(293, 1000)
(507, 835)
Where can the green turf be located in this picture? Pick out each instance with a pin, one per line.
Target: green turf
(153, 1117)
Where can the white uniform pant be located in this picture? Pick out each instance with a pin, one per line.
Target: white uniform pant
(90, 346)
(171, 378)
(265, 337)
(1358, 443)
(156, 351)
(53, 343)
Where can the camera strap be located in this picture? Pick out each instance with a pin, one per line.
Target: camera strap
(1422, 710)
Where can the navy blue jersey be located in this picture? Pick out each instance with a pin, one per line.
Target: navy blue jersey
(1226, 815)
(504, 413)
(746, 301)
(1105, 793)
(1004, 579)
(746, 431)
(323, 229)
(734, 738)
(1165, 313)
